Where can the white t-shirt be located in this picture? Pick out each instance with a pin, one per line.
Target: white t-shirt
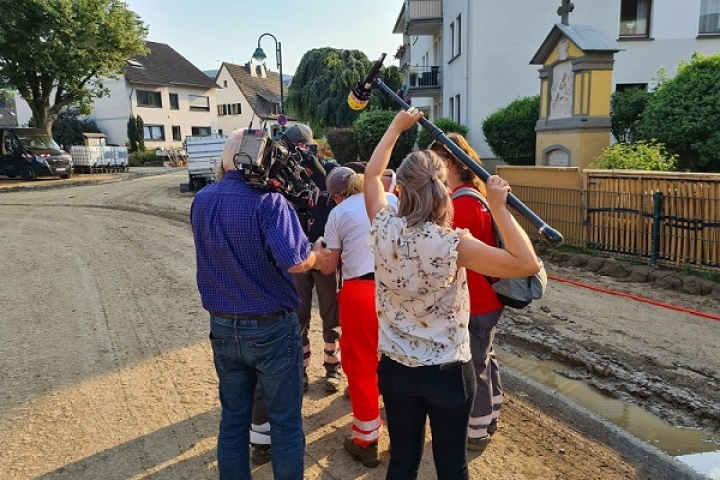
(421, 293)
(347, 229)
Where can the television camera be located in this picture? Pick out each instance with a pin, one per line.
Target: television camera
(277, 165)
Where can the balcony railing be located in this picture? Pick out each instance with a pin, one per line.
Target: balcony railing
(424, 77)
(420, 17)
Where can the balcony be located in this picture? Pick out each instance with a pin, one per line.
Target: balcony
(424, 81)
(420, 17)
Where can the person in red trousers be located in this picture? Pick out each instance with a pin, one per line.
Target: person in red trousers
(346, 234)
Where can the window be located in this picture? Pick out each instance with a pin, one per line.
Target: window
(455, 37)
(174, 103)
(200, 131)
(635, 18)
(710, 17)
(199, 103)
(176, 132)
(224, 83)
(154, 132)
(229, 109)
(621, 87)
(456, 117)
(149, 99)
(455, 108)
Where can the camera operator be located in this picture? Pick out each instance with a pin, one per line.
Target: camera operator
(248, 244)
(324, 285)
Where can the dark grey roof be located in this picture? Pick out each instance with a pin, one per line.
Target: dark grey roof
(586, 37)
(165, 66)
(261, 93)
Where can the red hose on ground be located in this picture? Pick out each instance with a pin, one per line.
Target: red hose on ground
(635, 297)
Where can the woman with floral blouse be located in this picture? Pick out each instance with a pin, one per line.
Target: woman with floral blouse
(425, 369)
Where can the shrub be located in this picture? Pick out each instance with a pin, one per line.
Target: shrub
(140, 158)
(626, 108)
(444, 124)
(369, 128)
(510, 131)
(636, 156)
(684, 113)
(343, 145)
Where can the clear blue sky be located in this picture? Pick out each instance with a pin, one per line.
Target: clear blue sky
(207, 32)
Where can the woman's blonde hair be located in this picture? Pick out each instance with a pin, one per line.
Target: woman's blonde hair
(356, 184)
(466, 175)
(424, 197)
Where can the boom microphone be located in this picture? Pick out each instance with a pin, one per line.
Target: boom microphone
(360, 94)
(552, 236)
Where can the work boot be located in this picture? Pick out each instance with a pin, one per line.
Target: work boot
(492, 428)
(260, 454)
(478, 444)
(333, 380)
(368, 456)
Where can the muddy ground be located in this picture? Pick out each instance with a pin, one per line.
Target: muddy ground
(106, 372)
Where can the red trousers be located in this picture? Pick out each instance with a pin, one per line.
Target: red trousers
(359, 344)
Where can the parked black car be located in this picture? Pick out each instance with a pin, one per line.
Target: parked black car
(30, 153)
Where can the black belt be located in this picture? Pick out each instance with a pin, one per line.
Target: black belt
(252, 316)
(367, 276)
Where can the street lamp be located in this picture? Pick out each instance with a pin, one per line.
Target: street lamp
(260, 56)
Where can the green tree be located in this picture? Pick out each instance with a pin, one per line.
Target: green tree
(626, 108)
(68, 128)
(444, 124)
(369, 129)
(510, 131)
(56, 52)
(321, 84)
(140, 126)
(684, 114)
(132, 133)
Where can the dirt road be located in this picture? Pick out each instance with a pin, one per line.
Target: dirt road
(106, 372)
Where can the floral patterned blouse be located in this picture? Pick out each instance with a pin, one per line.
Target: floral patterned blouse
(421, 294)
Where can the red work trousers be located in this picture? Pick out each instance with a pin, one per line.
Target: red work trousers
(359, 344)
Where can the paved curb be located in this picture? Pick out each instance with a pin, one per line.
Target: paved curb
(648, 459)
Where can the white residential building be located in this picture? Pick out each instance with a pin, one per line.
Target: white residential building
(249, 95)
(174, 98)
(464, 59)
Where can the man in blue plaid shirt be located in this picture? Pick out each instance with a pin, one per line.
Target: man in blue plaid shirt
(248, 243)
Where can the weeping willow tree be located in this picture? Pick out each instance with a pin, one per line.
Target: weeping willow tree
(321, 84)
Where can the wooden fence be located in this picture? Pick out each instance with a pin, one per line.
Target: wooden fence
(659, 218)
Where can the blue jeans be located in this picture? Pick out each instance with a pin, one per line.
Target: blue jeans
(268, 351)
(444, 395)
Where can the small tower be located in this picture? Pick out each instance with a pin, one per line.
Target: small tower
(575, 89)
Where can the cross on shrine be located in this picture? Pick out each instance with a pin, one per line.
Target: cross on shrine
(564, 11)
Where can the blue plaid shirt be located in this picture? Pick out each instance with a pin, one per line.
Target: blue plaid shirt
(245, 241)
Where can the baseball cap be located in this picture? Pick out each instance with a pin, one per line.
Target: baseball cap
(299, 134)
(337, 181)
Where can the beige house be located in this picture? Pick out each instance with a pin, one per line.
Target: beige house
(174, 98)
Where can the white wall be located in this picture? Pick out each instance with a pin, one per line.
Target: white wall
(111, 113)
(501, 37)
(232, 94)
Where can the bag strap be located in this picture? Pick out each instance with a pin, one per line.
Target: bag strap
(471, 192)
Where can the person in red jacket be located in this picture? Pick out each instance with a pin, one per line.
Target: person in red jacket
(485, 308)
